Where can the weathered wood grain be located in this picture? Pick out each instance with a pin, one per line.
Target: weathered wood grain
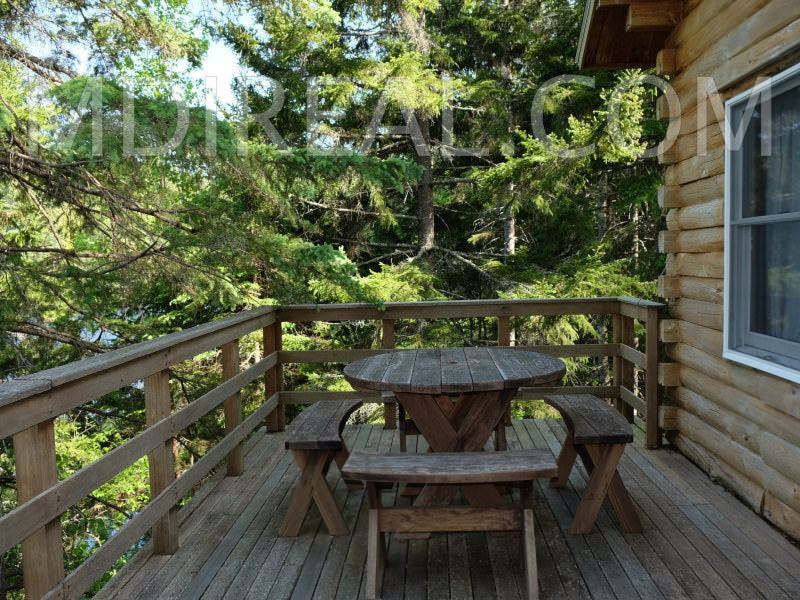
(592, 420)
(446, 309)
(272, 341)
(681, 553)
(233, 404)
(451, 467)
(21, 521)
(319, 427)
(161, 460)
(37, 471)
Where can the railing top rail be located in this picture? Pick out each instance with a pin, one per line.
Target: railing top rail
(641, 302)
(447, 309)
(133, 362)
(43, 381)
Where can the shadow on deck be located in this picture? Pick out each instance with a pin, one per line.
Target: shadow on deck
(698, 541)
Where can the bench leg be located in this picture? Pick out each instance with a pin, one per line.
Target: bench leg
(390, 414)
(529, 554)
(341, 458)
(312, 484)
(620, 500)
(376, 544)
(500, 443)
(301, 497)
(566, 459)
(401, 420)
(375, 556)
(605, 458)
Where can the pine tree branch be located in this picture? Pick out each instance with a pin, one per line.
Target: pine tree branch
(357, 33)
(41, 66)
(111, 505)
(380, 258)
(61, 251)
(43, 331)
(356, 211)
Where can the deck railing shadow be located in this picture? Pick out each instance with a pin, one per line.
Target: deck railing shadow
(29, 405)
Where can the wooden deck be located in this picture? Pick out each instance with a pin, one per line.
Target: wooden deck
(698, 541)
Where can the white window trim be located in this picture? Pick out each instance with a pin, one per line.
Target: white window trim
(728, 352)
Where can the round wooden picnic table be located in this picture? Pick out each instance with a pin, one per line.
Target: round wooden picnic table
(456, 396)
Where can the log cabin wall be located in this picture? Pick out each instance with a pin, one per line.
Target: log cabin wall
(739, 424)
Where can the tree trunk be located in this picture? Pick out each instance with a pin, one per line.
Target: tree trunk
(602, 205)
(509, 230)
(427, 238)
(509, 219)
(3, 585)
(602, 331)
(510, 244)
(413, 26)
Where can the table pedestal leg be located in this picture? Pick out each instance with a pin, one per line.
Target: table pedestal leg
(463, 426)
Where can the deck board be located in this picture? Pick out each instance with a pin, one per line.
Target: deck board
(675, 506)
(698, 541)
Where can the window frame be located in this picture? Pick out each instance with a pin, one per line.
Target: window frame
(740, 343)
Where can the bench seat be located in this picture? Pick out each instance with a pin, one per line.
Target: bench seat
(452, 467)
(592, 420)
(598, 433)
(315, 439)
(449, 468)
(320, 426)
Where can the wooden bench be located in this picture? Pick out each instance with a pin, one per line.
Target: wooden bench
(315, 439)
(455, 468)
(598, 433)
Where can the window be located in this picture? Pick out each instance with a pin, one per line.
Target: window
(762, 227)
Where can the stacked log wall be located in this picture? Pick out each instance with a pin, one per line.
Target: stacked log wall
(739, 424)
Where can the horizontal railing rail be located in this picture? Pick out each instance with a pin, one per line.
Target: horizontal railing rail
(455, 309)
(31, 399)
(29, 405)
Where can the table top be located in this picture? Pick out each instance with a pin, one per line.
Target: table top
(453, 370)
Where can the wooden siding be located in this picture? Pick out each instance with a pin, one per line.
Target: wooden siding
(698, 541)
(741, 425)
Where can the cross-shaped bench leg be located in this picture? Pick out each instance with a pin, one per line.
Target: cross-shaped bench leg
(604, 480)
(618, 495)
(566, 459)
(606, 458)
(341, 458)
(312, 484)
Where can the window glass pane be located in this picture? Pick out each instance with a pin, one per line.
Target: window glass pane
(775, 280)
(771, 184)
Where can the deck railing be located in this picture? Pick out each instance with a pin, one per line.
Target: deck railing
(29, 405)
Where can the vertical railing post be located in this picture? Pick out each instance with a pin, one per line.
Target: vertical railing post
(504, 339)
(623, 369)
(233, 405)
(276, 420)
(387, 333)
(387, 343)
(42, 552)
(652, 434)
(161, 460)
(503, 331)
